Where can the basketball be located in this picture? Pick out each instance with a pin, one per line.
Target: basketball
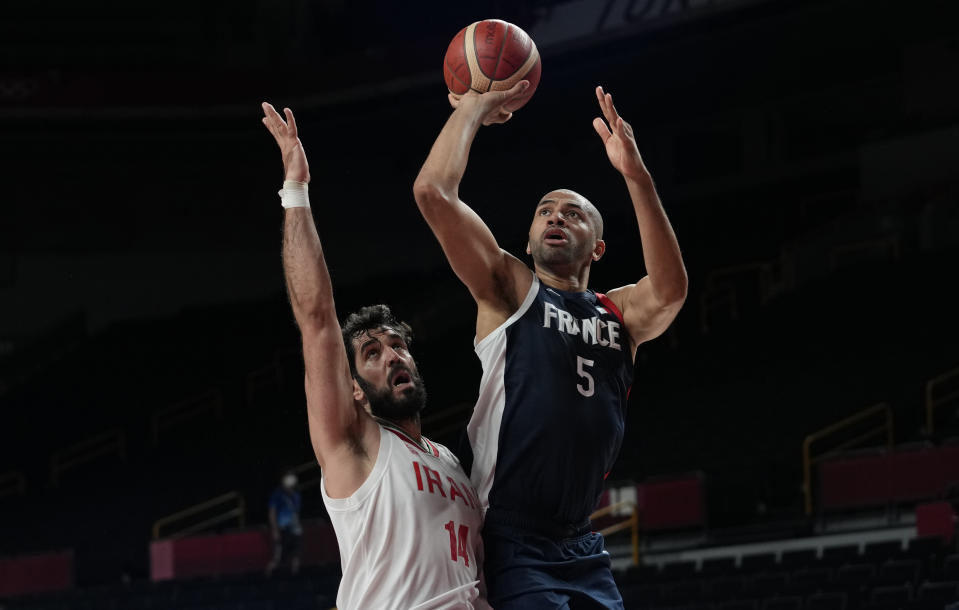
(492, 55)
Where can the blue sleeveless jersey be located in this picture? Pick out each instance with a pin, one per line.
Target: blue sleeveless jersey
(548, 423)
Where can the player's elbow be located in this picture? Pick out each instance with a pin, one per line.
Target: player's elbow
(429, 193)
(315, 319)
(672, 294)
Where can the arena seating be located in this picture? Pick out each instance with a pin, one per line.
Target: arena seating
(876, 477)
(311, 589)
(920, 577)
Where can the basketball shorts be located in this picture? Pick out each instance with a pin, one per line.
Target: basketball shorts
(527, 570)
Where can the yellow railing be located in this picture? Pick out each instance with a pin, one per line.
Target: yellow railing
(935, 400)
(234, 505)
(631, 523)
(881, 411)
(12, 483)
(448, 420)
(185, 410)
(112, 441)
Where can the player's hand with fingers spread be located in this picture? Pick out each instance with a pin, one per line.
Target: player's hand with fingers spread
(490, 105)
(619, 138)
(285, 134)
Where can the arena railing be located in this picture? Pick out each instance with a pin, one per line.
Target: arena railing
(940, 390)
(185, 410)
(233, 507)
(12, 483)
(87, 450)
(813, 455)
(631, 523)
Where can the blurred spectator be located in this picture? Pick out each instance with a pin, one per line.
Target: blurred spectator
(285, 528)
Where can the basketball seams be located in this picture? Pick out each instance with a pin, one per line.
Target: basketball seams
(466, 53)
(531, 59)
(466, 56)
(478, 80)
(499, 58)
(453, 74)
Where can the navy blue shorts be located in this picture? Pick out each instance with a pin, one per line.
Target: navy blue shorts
(532, 571)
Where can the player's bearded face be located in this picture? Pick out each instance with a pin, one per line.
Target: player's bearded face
(384, 401)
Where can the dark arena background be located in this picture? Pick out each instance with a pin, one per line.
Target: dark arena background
(792, 441)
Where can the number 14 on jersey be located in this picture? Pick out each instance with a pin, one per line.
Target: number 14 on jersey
(459, 542)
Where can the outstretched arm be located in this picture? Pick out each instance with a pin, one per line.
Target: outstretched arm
(651, 304)
(469, 245)
(336, 422)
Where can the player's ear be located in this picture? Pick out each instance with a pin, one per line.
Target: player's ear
(599, 249)
(358, 394)
(528, 250)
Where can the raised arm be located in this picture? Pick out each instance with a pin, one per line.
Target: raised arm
(339, 427)
(488, 272)
(651, 304)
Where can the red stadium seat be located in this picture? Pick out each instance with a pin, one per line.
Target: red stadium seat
(936, 519)
(916, 473)
(672, 503)
(857, 480)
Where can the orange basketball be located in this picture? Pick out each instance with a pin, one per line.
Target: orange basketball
(492, 55)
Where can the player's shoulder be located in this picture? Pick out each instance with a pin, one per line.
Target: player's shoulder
(620, 297)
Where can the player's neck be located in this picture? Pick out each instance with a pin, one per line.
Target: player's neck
(410, 427)
(568, 279)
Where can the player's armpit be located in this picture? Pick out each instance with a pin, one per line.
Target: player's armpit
(511, 283)
(645, 316)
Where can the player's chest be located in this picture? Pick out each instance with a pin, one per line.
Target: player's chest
(581, 327)
(433, 484)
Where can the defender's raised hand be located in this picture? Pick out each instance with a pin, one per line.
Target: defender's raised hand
(491, 105)
(285, 134)
(618, 138)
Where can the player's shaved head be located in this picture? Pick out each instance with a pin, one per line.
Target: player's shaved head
(574, 198)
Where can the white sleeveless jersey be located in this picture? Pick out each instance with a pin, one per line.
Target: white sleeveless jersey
(409, 537)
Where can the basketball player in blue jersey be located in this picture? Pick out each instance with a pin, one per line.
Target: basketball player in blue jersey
(557, 359)
(406, 518)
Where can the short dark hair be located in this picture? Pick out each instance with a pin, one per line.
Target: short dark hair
(371, 317)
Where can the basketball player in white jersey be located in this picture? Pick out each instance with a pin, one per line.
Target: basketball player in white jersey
(557, 359)
(406, 518)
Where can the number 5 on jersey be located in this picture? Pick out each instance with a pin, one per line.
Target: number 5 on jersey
(586, 387)
(459, 542)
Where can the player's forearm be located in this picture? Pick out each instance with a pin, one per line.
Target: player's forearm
(307, 278)
(664, 261)
(441, 174)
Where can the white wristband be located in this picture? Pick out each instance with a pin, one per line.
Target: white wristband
(294, 194)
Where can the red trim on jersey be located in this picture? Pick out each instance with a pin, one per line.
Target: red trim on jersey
(608, 304)
(410, 441)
